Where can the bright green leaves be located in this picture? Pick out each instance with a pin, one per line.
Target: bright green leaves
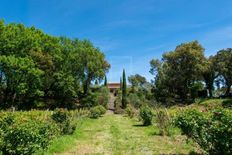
(19, 77)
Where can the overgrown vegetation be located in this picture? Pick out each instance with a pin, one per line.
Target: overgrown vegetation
(211, 130)
(97, 111)
(31, 132)
(36, 67)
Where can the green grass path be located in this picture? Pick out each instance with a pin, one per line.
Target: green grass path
(116, 134)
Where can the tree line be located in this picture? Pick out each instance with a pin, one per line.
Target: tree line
(182, 73)
(37, 66)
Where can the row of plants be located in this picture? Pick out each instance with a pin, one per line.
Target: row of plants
(31, 132)
(212, 130)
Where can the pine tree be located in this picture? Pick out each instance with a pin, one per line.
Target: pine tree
(105, 82)
(124, 90)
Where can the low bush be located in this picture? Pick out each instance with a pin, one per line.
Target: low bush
(163, 121)
(146, 115)
(30, 132)
(27, 138)
(212, 130)
(227, 103)
(63, 119)
(118, 104)
(97, 111)
(103, 96)
(134, 100)
(100, 96)
(130, 111)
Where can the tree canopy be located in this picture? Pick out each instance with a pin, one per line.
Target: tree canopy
(34, 65)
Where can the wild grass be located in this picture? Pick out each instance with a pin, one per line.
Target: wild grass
(117, 134)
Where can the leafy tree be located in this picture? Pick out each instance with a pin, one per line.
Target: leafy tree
(92, 64)
(124, 90)
(223, 65)
(209, 75)
(68, 66)
(136, 81)
(20, 78)
(178, 70)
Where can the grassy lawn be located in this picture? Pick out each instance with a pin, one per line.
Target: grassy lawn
(117, 134)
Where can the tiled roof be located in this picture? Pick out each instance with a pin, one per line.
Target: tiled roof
(113, 85)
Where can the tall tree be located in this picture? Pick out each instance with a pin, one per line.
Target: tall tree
(124, 90)
(179, 70)
(120, 83)
(105, 82)
(209, 75)
(223, 64)
(136, 81)
(20, 78)
(92, 64)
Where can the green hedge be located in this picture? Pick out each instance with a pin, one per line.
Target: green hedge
(211, 130)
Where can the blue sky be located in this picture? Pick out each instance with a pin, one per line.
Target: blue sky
(129, 32)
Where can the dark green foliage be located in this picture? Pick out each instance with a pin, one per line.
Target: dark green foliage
(227, 103)
(124, 90)
(223, 65)
(146, 115)
(97, 111)
(105, 82)
(90, 100)
(98, 97)
(63, 119)
(212, 131)
(177, 72)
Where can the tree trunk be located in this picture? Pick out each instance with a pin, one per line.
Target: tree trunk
(210, 93)
(227, 91)
(86, 86)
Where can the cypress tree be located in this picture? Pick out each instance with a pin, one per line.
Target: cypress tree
(105, 82)
(120, 83)
(124, 90)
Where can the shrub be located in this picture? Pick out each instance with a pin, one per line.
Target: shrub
(103, 96)
(163, 122)
(63, 119)
(97, 111)
(134, 100)
(212, 131)
(130, 111)
(146, 115)
(27, 138)
(227, 103)
(90, 100)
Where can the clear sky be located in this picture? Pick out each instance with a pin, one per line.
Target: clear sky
(129, 32)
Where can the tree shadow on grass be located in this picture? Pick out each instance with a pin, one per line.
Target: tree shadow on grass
(139, 125)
